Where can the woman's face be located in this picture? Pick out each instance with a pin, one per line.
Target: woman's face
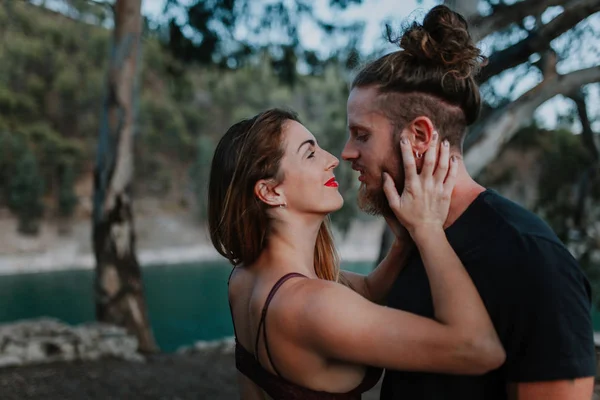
(309, 184)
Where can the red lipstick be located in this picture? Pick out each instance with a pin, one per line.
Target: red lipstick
(331, 183)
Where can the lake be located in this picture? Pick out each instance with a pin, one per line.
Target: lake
(186, 303)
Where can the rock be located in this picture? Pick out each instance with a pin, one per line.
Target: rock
(47, 340)
(224, 346)
(10, 361)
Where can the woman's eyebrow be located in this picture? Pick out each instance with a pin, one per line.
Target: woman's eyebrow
(309, 141)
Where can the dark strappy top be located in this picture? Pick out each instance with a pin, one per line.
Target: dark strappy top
(278, 387)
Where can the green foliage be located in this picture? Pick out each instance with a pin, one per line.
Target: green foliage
(213, 23)
(565, 159)
(26, 189)
(67, 200)
(52, 87)
(200, 174)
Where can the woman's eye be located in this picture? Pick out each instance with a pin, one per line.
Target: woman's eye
(311, 155)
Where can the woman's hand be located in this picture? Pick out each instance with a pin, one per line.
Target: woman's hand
(425, 200)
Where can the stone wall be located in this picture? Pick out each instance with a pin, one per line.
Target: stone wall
(48, 340)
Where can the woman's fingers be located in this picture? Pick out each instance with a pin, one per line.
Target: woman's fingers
(443, 162)
(391, 193)
(430, 156)
(410, 168)
(451, 177)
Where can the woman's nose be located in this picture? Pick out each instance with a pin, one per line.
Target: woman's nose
(333, 162)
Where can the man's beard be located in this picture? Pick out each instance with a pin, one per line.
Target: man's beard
(375, 202)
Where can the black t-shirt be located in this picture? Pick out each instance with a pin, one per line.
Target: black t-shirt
(534, 290)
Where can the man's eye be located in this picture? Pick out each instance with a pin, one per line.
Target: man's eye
(311, 155)
(362, 138)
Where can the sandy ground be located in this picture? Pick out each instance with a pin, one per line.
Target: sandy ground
(164, 377)
(209, 375)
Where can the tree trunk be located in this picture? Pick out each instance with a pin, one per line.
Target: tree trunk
(118, 282)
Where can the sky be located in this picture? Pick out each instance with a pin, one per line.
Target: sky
(375, 12)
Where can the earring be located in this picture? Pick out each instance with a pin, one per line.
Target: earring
(282, 205)
(417, 155)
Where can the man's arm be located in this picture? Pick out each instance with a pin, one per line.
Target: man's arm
(550, 353)
(573, 389)
(378, 283)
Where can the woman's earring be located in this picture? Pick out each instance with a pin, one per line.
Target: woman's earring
(417, 155)
(282, 205)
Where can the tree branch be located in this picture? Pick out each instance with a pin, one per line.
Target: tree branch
(504, 15)
(538, 40)
(500, 126)
(587, 134)
(587, 137)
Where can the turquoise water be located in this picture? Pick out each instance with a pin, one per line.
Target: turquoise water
(186, 303)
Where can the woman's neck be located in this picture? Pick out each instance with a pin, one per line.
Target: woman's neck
(291, 246)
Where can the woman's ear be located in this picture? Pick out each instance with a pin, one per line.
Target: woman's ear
(269, 192)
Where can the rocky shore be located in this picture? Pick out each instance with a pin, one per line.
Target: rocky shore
(47, 340)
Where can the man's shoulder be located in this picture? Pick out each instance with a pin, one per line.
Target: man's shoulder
(524, 236)
(514, 220)
(499, 231)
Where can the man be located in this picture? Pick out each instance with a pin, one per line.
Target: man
(534, 290)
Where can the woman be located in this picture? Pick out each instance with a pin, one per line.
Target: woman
(300, 333)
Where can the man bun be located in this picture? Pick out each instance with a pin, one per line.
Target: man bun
(443, 40)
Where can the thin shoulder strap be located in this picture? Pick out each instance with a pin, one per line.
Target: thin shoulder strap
(262, 324)
(229, 300)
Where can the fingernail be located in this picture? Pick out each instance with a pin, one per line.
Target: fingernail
(435, 135)
(445, 143)
(404, 140)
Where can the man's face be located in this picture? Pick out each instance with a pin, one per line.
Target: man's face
(372, 148)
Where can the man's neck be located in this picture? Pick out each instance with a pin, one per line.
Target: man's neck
(464, 193)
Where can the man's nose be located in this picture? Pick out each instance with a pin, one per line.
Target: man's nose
(349, 152)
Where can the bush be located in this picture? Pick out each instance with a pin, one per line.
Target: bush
(26, 189)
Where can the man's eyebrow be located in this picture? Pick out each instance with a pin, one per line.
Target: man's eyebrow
(354, 126)
(309, 141)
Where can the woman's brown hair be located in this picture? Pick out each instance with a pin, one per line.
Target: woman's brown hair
(434, 74)
(239, 222)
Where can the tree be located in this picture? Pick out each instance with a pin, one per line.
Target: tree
(26, 189)
(213, 23)
(119, 287)
(528, 38)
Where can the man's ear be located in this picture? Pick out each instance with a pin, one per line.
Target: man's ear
(422, 130)
(269, 192)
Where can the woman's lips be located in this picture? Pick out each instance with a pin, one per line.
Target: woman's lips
(331, 183)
